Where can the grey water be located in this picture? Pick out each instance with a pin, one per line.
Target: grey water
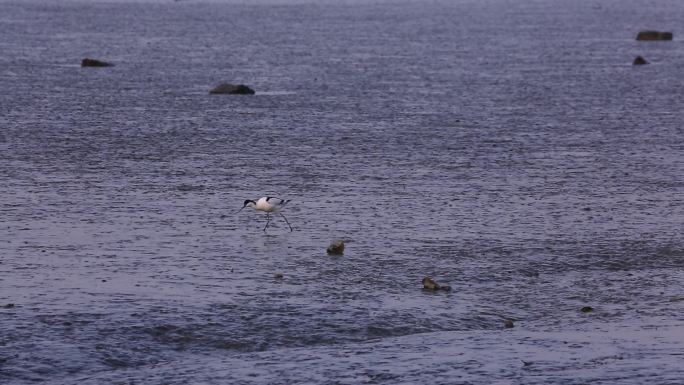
(508, 149)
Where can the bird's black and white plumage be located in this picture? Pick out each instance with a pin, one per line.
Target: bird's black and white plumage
(268, 205)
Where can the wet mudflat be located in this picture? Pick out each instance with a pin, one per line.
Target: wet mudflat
(510, 151)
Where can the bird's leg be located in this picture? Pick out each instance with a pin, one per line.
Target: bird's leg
(288, 223)
(268, 219)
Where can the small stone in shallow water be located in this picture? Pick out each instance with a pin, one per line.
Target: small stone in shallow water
(654, 35)
(430, 284)
(639, 61)
(233, 89)
(587, 309)
(87, 62)
(508, 324)
(336, 247)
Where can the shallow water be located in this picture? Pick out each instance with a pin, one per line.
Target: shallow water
(508, 149)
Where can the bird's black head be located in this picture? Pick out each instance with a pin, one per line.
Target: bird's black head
(247, 202)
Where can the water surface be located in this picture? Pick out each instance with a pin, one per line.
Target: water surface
(508, 149)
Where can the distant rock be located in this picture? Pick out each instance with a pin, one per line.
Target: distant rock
(233, 89)
(430, 284)
(278, 275)
(9, 306)
(587, 309)
(94, 63)
(336, 247)
(639, 61)
(654, 35)
(508, 324)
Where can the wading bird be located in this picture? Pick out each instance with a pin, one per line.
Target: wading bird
(268, 205)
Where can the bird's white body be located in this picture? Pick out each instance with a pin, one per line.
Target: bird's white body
(268, 205)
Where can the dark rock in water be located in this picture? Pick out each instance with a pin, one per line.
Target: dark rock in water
(278, 275)
(430, 284)
(94, 63)
(587, 309)
(336, 248)
(654, 35)
(508, 324)
(639, 61)
(8, 306)
(233, 89)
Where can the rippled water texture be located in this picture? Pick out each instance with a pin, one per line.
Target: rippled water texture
(506, 148)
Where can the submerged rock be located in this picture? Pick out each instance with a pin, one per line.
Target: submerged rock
(278, 275)
(639, 61)
(87, 62)
(508, 324)
(654, 35)
(336, 247)
(587, 309)
(189, 187)
(233, 89)
(430, 284)
(9, 306)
